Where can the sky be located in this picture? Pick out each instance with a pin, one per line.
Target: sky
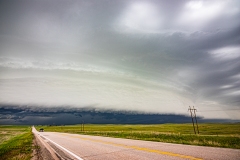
(148, 56)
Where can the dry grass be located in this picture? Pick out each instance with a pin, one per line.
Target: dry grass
(16, 144)
(4, 136)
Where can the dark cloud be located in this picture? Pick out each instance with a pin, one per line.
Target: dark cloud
(64, 115)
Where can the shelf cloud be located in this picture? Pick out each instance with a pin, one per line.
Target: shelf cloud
(148, 56)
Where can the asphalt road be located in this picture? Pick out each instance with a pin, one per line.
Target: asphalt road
(106, 148)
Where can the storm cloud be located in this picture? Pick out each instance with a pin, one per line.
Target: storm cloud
(146, 56)
(29, 115)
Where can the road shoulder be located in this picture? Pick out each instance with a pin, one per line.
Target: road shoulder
(42, 150)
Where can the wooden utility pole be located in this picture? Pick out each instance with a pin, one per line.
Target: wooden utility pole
(195, 110)
(82, 125)
(190, 109)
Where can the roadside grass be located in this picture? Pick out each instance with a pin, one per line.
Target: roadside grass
(214, 141)
(8, 131)
(212, 134)
(17, 142)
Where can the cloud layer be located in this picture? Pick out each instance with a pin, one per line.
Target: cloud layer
(10, 114)
(148, 56)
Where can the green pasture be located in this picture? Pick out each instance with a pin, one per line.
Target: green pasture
(15, 142)
(214, 134)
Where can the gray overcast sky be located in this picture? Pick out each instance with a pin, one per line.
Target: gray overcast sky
(150, 56)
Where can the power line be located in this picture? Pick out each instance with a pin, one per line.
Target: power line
(190, 109)
(194, 115)
(195, 110)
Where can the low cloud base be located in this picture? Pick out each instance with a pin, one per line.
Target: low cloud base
(27, 115)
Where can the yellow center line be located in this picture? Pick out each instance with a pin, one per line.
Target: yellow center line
(137, 148)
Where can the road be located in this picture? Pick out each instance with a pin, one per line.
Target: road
(99, 148)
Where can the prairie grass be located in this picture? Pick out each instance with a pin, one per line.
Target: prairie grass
(212, 134)
(16, 142)
(8, 132)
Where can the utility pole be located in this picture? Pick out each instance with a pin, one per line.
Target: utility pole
(190, 109)
(195, 110)
(83, 125)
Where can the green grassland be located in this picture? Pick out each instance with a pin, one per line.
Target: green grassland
(215, 134)
(15, 142)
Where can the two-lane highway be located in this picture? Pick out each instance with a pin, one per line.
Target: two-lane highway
(98, 148)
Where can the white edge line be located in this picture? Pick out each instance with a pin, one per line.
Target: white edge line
(62, 148)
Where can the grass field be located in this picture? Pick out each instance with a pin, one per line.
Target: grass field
(15, 142)
(216, 135)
